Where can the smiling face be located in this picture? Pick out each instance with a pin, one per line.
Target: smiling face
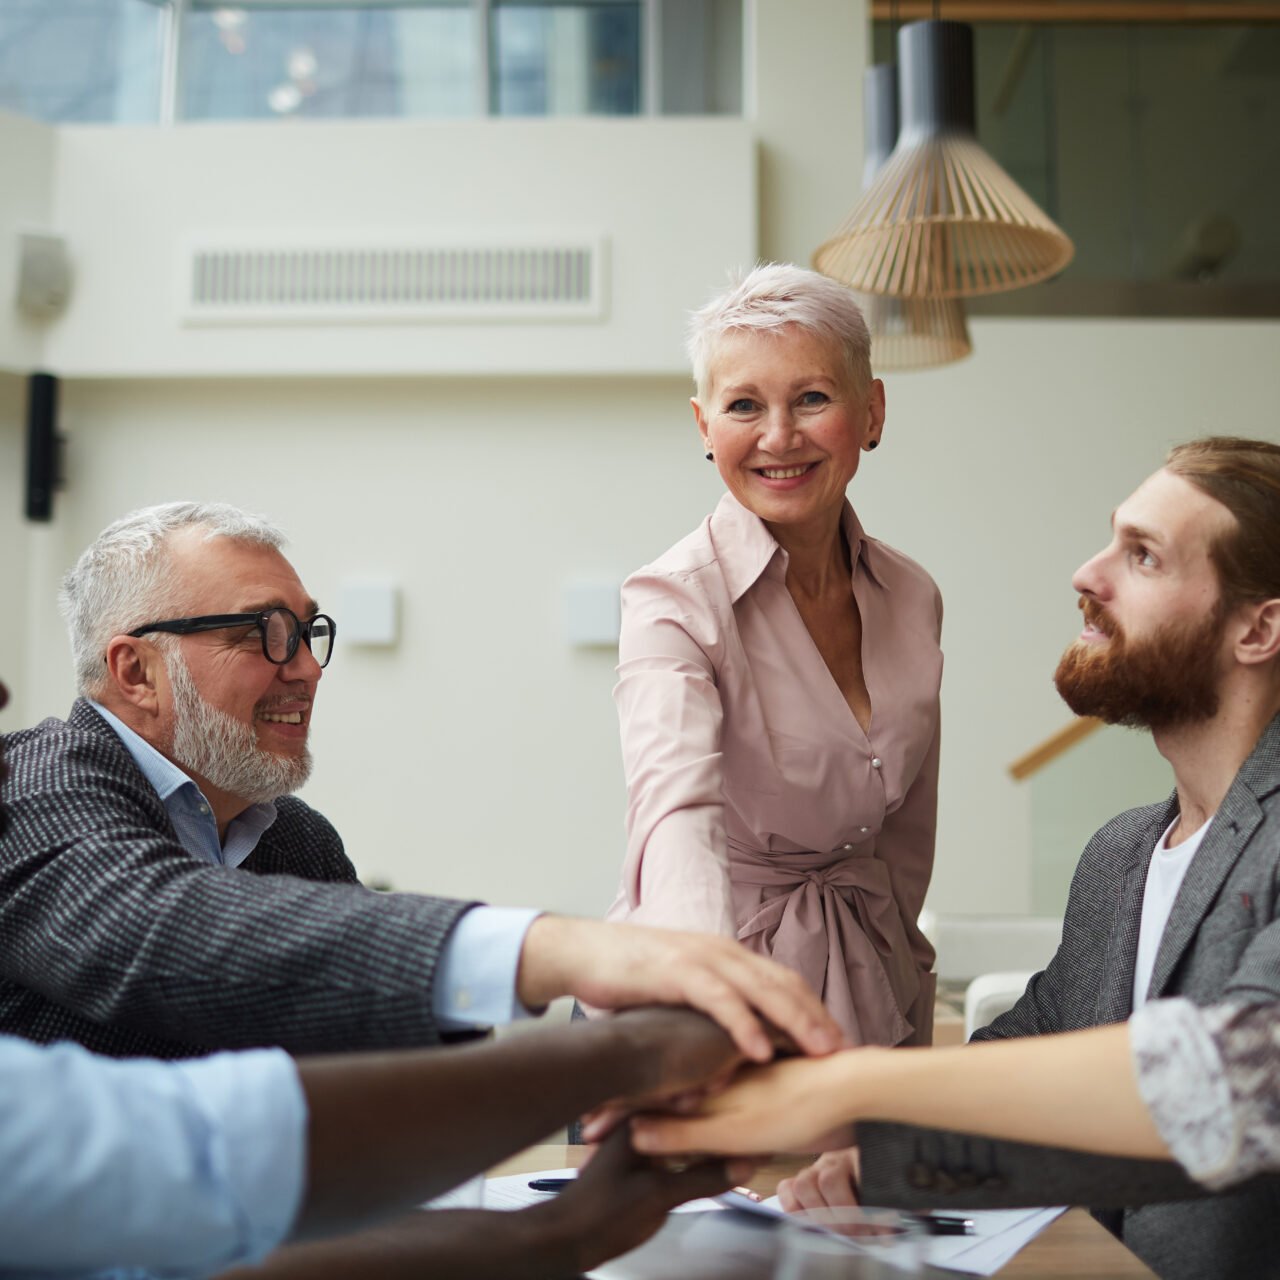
(235, 720)
(1152, 649)
(785, 423)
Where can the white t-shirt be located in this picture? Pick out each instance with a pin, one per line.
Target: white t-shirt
(1164, 879)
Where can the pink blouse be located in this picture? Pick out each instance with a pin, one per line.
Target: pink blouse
(757, 805)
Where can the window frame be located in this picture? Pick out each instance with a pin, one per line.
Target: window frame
(175, 11)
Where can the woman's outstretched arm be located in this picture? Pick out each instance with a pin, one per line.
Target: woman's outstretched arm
(1077, 1090)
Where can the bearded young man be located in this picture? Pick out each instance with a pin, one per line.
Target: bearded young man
(1181, 637)
(162, 894)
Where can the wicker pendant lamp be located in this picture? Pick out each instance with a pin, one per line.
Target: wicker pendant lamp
(906, 333)
(942, 219)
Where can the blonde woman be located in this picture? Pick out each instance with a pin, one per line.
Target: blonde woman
(779, 672)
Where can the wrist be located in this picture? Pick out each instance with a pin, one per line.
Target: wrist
(550, 1242)
(540, 975)
(635, 1050)
(853, 1084)
(877, 1080)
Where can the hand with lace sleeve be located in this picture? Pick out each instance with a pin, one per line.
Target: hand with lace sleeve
(1211, 1080)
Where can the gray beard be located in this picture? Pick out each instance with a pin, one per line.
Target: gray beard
(223, 750)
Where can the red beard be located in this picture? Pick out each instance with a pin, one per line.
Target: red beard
(1167, 679)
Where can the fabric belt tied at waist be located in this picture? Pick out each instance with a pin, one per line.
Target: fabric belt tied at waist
(834, 920)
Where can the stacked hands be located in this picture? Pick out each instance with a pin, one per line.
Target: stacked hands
(750, 1111)
(698, 1020)
(713, 1088)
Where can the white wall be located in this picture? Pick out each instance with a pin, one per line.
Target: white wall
(806, 104)
(27, 159)
(674, 198)
(480, 756)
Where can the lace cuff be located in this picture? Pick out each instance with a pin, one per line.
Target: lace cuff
(1184, 1085)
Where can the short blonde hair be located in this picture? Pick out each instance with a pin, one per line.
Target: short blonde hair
(772, 296)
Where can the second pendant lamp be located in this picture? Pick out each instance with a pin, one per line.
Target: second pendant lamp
(942, 219)
(906, 333)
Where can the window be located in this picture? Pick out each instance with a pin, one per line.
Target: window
(146, 60)
(242, 62)
(565, 59)
(81, 60)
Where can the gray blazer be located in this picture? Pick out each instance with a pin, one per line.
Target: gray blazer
(1222, 939)
(112, 935)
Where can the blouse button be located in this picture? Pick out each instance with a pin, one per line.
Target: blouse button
(847, 848)
(864, 830)
(876, 762)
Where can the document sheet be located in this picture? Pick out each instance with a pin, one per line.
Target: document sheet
(732, 1237)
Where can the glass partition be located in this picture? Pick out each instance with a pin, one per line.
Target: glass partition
(131, 61)
(440, 58)
(565, 59)
(1152, 145)
(81, 60)
(244, 63)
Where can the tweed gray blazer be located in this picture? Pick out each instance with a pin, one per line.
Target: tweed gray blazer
(112, 935)
(1222, 939)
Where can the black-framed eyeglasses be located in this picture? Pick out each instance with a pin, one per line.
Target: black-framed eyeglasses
(281, 630)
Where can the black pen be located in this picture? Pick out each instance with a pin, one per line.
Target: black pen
(551, 1184)
(940, 1224)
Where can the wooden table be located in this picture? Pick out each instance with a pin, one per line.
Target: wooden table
(1074, 1246)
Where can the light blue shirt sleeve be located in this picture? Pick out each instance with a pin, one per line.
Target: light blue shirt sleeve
(183, 1169)
(476, 973)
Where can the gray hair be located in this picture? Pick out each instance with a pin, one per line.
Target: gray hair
(772, 296)
(125, 578)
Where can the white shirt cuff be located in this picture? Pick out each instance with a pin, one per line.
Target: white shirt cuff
(475, 982)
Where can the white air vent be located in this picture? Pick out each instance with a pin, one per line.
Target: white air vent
(256, 282)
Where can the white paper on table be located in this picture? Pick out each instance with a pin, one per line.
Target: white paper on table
(702, 1243)
(998, 1234)
(513, 1192)
(717, 1249)
(510, 1192)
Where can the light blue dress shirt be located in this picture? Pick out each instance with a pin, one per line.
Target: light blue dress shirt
(476, 972)
(183, 1169)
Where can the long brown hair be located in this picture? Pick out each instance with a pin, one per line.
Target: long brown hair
(1243, 475)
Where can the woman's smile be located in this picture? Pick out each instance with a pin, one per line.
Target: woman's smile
(785, 478)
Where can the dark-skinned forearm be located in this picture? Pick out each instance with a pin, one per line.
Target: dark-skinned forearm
(388, 1131)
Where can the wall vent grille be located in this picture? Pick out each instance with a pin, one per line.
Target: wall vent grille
(360, 283)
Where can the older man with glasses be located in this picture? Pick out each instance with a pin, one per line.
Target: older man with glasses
(164, 893)
(187, 1168)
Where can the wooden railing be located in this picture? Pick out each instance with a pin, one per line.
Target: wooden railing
(1053, 746)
